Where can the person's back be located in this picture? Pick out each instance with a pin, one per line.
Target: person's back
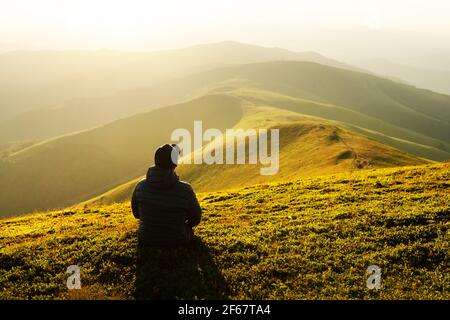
(167, 208)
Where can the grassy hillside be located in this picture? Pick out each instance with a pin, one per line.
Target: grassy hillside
(84, 113)
(305, 239)
(407, 107)
(396, 136)
(308, 146)
(73, 168)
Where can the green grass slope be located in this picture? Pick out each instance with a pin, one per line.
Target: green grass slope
(73, 168)
(305, 239)
(380, 130)
(308, 146)
(405, 106)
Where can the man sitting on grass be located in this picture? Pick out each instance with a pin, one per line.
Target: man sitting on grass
(166, 207)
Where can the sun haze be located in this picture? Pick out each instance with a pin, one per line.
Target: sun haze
(153, 25)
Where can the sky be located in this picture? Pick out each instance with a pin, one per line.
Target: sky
(165, 24)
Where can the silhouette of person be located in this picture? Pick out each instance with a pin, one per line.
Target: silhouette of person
(166, 207)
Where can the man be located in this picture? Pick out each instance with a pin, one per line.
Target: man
(166, 207)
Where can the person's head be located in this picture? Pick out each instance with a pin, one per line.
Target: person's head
(166, 156)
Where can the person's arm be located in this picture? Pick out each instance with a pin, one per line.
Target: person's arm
(134, 204)
(195, 211)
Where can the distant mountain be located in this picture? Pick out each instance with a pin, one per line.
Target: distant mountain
(84, 113)
(47, 79)
(434, 79)
(232, 52)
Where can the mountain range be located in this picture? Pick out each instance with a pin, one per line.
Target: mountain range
(100, 136)
(39, 89)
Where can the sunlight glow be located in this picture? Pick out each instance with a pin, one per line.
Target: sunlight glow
(131, 24)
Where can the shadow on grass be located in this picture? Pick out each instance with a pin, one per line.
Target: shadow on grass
(178, 273)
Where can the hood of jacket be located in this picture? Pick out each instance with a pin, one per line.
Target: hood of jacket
(161, 178)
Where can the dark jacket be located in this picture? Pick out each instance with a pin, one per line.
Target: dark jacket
(167, 208)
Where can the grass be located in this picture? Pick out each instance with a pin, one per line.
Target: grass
(302, 239)
(375, 128)
(309, 146)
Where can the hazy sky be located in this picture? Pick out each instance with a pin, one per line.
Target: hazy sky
(151, 25)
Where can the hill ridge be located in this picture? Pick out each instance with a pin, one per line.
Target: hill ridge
(299, 136)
